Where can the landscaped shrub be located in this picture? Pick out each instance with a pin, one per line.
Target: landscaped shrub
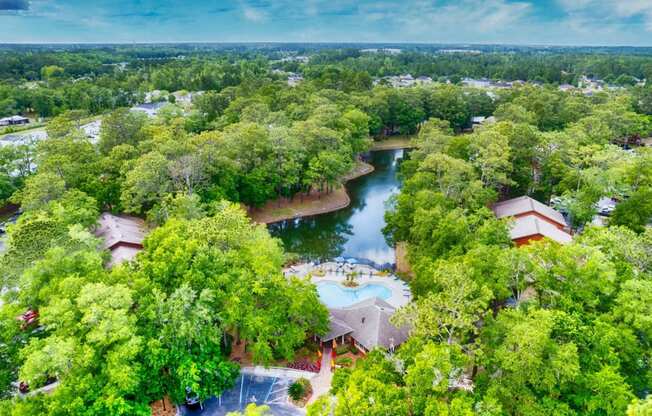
(342, 349)
(344, 361)
(298, 389)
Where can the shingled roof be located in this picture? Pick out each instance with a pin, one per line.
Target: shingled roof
(530, 225)
(368, 323)
(523, 205)
(123, 229)
(532, 218)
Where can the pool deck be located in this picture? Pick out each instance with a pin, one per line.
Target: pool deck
(336, 272)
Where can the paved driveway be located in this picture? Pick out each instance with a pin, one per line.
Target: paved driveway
(271, 391)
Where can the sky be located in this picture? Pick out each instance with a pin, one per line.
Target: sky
(523, 22)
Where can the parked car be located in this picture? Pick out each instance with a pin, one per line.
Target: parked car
(192, 399)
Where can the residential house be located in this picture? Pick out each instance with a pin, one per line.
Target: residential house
(184, 98)
(294, 79)
(388, 51)
(14, 121)
(480, 121)
(123, 236)
(566, 87)
(92, 130)
(533, 221)
(476, 83)
(365, 325)
(17, 139)
(151, 109)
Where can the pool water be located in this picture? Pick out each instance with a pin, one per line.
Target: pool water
(334, 295)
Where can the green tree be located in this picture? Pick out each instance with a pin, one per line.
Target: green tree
(122, 126)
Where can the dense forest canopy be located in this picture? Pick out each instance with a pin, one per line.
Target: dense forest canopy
(48, 81)
(495, 329)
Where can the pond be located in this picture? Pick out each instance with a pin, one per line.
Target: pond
(355, 231)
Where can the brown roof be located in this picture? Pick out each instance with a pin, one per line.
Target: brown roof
(116, 229)
(530, 225)
(525, 204)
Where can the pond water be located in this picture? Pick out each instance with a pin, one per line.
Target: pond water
(333, 295)
(355, 231)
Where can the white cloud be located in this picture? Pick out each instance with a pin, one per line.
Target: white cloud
(433, 21)
(609, 12)
(253, 14)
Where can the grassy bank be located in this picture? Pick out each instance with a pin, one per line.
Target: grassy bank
(394, 142)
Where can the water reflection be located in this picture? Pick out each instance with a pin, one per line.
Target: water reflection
(355, 231)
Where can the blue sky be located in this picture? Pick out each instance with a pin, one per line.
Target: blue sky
(559, 22)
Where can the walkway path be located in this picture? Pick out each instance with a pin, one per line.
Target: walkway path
(322, 383)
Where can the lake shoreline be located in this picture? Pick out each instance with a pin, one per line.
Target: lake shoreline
(315, 203)
(396, 143)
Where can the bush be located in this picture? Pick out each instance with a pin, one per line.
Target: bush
(344, 361)
(342, 349)
(298, 389)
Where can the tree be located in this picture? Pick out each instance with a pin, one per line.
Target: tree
(241, 264)
(187, 207)
(640, 407)
(449, 312)
(122, 126)
(40, 190)
(187, 355)
(490, 154)
(633, 306)
(521, 344)
(146, 183)
(634, 212)
(252, 409)
(91, 348)
(515, 113)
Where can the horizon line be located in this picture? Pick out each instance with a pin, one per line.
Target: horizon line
(293, 42)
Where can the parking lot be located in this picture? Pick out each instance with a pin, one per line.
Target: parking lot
(249, 388)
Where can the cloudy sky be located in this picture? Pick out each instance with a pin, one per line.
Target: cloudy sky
(559, 22)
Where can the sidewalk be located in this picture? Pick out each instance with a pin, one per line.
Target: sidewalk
(321, 384)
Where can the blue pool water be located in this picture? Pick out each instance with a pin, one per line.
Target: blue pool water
(334, 295)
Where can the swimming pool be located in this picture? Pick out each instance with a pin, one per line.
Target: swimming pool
(334, 295)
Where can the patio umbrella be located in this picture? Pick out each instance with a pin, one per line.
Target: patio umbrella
(351, 261)
(339, 259)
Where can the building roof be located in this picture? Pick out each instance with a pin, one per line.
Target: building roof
(525, 204)
(530, 225)
(368, 323)
(116, 229)
(151, 109)
(14, 118)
